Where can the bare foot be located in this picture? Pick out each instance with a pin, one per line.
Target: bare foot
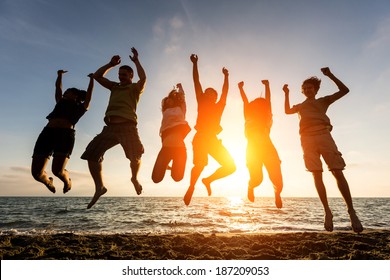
(188, 195)
(68, 186)
(96, 196)
(50, 185)
(328, 223)
(355, 222)
(137, 185)
(207, 185)
(251, 194)
(278, 201)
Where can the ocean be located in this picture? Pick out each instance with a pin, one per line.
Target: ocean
(169, 215)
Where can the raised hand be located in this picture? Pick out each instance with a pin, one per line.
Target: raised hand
(60, 72)
(134, 58)
(265, 82)
(326, 71)
(241, 84)
(285, 89)
(225, 71)
(194, 58)
(179, 87)
(115, 60)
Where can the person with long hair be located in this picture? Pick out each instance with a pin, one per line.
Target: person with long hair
(174, 128)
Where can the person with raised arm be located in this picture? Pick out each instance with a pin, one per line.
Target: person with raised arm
(174, 128)
(205, 141)
(121, 122)
(316, 141)
(260, 149)
(57, 139)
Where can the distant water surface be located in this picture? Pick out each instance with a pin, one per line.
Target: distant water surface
(169, 215)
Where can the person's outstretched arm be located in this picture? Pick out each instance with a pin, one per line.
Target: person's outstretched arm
(267, 92)
(287, 109)
(182, 98)
(225, 87)
(343, 90)
(88, 97)
(195, 76)
(242, 93)
(99, 74)
(140, 70)
(58, 93)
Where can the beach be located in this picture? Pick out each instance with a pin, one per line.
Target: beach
(338, 245)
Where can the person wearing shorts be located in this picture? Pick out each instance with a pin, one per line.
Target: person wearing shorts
(121, 123)
(57, 139)
(316, 141)
(205, 141)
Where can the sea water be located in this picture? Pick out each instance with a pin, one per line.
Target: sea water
(169, 215)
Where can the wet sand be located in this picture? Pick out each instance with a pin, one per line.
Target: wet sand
(339, 245)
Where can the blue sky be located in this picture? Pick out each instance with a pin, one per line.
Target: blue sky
(283, 41)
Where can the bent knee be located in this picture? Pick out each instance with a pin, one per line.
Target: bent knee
(36, 174)
(177, 177)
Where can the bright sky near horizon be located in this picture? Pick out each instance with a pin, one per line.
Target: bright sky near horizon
(283, 41)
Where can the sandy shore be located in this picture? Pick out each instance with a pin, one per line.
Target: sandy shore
(280, 246)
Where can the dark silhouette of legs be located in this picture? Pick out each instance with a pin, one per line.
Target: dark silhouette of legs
(38, 167)
(58, 169)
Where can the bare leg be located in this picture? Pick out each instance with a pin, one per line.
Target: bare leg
(255, 178)
(38, 167)
(134, 166)
(319, 184)
(276, 178)
(195, 173)
(221, 172)
(95, 168)
(178, 165)
(345, 192)
(58, 169)
(160, 167)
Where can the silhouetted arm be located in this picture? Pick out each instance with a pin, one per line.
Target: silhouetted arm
(140, 70)
(287, 108)
(267, 92)
(88, 97)
(242, 93)
(182, 98)
(225, 87)
(343, 90)
(99, 74)
(58, 93)
(195, 76)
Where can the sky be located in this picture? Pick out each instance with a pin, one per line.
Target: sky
(282, 41)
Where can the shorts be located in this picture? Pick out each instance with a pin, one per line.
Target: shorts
(204, 145)
(315, 146)
(262, 152)
(112, 135)
(53, 141)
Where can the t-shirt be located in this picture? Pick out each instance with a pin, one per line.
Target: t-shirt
(312, 115)
(258, 118)
(209, 117)
(172, 117)
(123, 101)
(69, 110)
